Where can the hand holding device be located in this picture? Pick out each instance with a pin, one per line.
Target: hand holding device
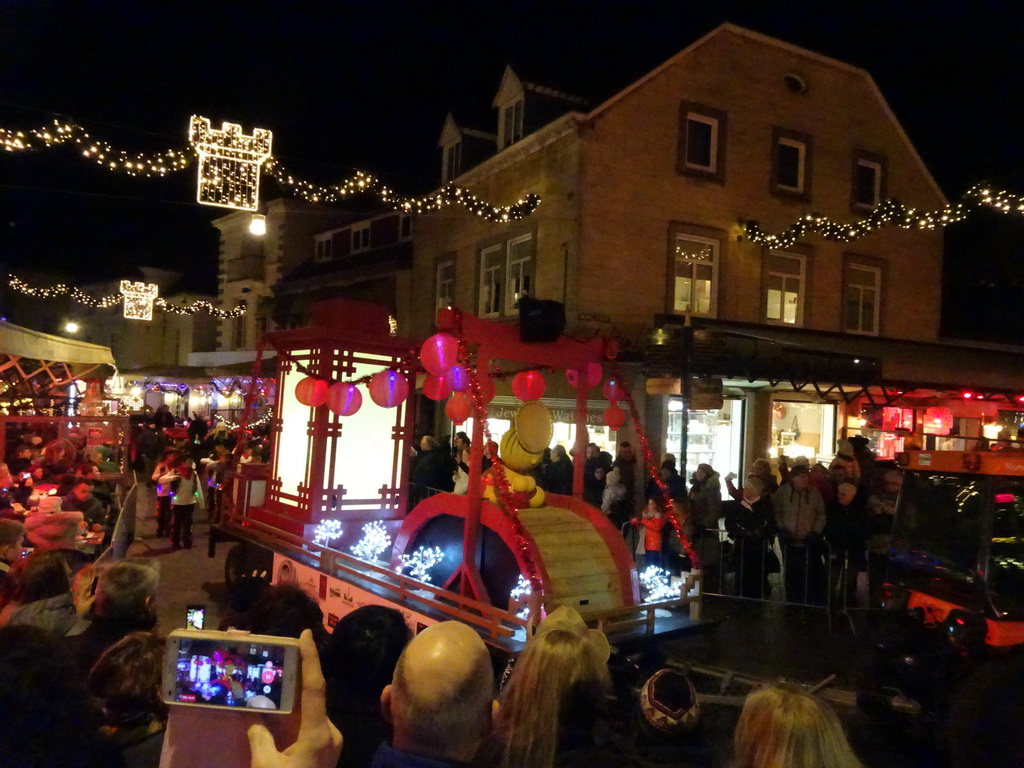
(195, 617)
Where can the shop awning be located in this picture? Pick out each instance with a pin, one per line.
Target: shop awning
(23, 342)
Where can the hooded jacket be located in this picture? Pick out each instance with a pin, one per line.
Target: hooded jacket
(799, 513)
(706, 499)
(54, 615)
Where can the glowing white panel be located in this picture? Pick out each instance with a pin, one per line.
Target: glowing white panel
(364, 453)
(293, 442)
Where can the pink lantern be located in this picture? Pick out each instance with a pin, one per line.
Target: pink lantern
(311, 391)
(344, 399)
(458, 408)
(439, 353)
(587, 379)
(614, 416)
(388, 389)
(457, 378)
(435, 388)
(614, 391)
(528, 385)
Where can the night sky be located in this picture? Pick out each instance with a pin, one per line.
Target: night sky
(366, 85)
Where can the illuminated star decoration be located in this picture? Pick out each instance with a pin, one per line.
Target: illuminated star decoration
(657, 585)
(138, 299)
(375, 540)
(420, 562)
(326, 531)
(520, 590)
(229, 163)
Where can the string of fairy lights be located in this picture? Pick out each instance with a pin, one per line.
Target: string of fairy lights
(112, 300)
(229, 166)
(888, 212)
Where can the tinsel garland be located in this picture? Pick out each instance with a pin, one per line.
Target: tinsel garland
(652, 470)
(507, 501)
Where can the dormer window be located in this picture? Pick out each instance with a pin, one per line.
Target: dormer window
(452, 161)
(360, 237)
(512, 123)
(323, 248)
(405, 227)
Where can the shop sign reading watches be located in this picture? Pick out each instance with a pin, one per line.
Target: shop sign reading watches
(559, 415)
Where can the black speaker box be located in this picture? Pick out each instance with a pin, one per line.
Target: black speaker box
(540, 319)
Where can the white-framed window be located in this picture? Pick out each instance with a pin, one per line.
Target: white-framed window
(696, 275)
(404, 226)
(322, 248)
(452, 161)
(492, 267)
(784, 278)
(512, 123)
(701, 152)
(506, 275)
(861, 299)
(867, 183)
(790, 165)
(445, 284)
(518, 271)
(360, 237)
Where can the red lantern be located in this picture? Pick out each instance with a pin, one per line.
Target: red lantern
(388, 388)
(311, 391)
(938, 421)
(435, 388)
(614, 416)
(528, 385)
(614, 391)
(344, 399)
(458, 408)
(457, 378)
(439, 353)
(587, 379)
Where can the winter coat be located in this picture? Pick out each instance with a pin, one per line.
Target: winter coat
(54, 615)
(653, 531)
(846, 530)
(612, 495)
(706, 502)
(798, 513)
(558, 477)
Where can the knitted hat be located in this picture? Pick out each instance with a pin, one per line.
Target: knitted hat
(49, 504)
(569, 619)
(668, 703)
(53, 530)
(844, 447)
(613, 477)
(801, 461)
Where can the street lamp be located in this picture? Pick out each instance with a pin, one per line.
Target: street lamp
(258, 225)
(71, 326)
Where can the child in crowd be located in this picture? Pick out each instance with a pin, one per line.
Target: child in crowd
(653, 523)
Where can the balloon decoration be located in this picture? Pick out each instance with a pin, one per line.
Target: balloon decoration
(614, 416)
(457, 378)
(311, 391)
(587, 379)
(439, 353)
(344, 399)
(388, 389)
(528, 385)
(435, 388)
(458, 408)
(613, 390)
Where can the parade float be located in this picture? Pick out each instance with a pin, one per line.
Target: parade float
(335, 511)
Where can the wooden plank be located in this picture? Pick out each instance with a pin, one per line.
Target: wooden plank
(602, 582)
(564, 569)
(584, 603)
(588, 536)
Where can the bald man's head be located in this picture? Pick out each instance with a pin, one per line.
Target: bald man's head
(441, 700)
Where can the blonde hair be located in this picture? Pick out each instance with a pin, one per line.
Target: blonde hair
(559, 673)
(784, 727)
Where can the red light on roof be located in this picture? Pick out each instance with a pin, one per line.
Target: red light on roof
(968, 395)
(1020, 398)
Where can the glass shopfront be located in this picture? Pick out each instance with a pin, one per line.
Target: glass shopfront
(563, 413)
(803, 429)
(714, 437)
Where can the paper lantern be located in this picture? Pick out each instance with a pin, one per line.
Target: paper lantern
(587, 379)
(457, 378)
(458, 408)
(435, 388)
(614, 416)
(388, 389)
(528, 385)
(938, 421)
(311, 391)
(614, 391)
(344, 399)
(439, 353)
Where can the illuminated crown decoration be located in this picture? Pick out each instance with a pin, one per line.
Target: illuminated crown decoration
(229, 163)
(138, 299)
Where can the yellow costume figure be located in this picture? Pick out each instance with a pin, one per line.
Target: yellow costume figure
(521, 450)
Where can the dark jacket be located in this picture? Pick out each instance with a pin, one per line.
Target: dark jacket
(101, 633)
(558, 477)
(434, 469)
(846, 529)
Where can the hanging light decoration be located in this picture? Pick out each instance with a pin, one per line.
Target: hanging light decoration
(439, 353)
(613, 390)
(614, 416)
(311, 391)
(457, 378)
(344, 399)
(435, 388)
(588, 378)
(458, 408)
(388, 389)
(528, 385)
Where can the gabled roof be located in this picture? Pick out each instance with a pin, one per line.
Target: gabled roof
(511, 81)
(728, 28)
(451, 132)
